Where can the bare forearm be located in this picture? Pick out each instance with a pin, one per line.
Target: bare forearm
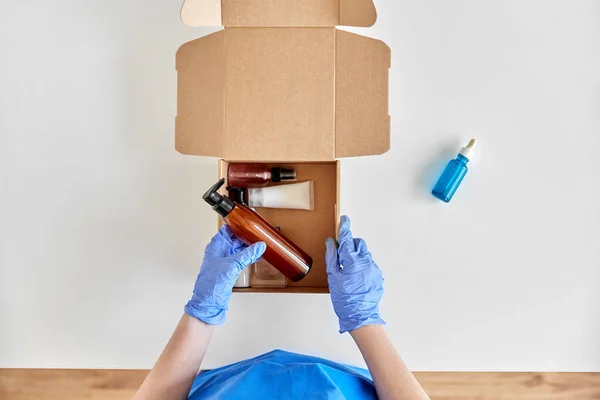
(393, 380)
(174, 372)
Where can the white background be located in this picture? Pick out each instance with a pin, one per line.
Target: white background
(102, 227)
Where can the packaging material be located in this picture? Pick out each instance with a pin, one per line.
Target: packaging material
(280, 85)
(311, 13)
(299, 196)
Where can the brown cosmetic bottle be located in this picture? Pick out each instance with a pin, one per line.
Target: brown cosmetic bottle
(250, 228)
(256, 175)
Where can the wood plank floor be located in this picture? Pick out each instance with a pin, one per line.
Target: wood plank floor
(55, 384)
(510, 385)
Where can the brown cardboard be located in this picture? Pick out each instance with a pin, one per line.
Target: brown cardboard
(308, 229)
(361, 119)
(282, 108)
(278, 13)
(200, 98)
(280, 85)
(279, 94)
(357, 13)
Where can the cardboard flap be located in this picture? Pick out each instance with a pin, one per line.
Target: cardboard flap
(279, 94)
(357, 13)
(200, 96)
(362, 125)
(201, 12)
(278, 13)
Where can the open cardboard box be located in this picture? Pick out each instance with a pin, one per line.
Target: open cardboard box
(308, 229)
(281, 85)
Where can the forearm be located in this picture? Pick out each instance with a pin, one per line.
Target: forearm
(393, 380)
(174, 372)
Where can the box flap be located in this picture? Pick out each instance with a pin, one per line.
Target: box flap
(362, 125)
(357, 13)
(200, 96)
(201, 12)
(279, 94)
(278, 13)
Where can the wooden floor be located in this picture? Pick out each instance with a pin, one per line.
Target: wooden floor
(29, 384)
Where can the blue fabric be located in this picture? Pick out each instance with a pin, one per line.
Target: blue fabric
(283, 375)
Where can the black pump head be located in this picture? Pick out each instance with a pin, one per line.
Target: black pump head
(220, 204)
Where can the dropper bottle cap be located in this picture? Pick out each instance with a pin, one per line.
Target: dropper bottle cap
(222, 205)
(467, 151)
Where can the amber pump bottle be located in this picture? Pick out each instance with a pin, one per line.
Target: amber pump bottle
(250, 228)
(255, 175)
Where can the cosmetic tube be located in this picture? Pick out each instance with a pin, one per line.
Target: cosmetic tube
(299, 196)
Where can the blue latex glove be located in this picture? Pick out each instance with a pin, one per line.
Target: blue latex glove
(224, 258)
(356, 286)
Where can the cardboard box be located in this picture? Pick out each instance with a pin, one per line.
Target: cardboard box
(281, 85)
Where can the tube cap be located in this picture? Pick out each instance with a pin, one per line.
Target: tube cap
(282, 174)
(237, 194)
(222, 205)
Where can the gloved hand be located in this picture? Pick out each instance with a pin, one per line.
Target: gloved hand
(224, 258)
(356, 286)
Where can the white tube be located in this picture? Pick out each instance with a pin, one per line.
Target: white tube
(299, 196)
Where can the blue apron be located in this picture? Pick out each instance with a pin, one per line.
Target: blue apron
(282, 375)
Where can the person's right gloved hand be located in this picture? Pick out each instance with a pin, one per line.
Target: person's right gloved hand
(355, 281)
(224, 259)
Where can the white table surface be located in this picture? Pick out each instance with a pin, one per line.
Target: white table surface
(102, 227)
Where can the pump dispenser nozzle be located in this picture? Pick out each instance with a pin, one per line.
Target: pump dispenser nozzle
(222, 205)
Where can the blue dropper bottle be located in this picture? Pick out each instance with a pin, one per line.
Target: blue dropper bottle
(453, 174)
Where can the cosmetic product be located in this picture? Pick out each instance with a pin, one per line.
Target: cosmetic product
(239, 195)
(265, 275)
(453, 174)
(250, 228)
(298, 196)
(256, 175)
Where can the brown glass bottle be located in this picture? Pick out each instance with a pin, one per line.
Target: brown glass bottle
(253, 175)
(250, 228)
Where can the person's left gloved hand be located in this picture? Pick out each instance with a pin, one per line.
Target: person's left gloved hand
(224, 259)
(355, 281)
